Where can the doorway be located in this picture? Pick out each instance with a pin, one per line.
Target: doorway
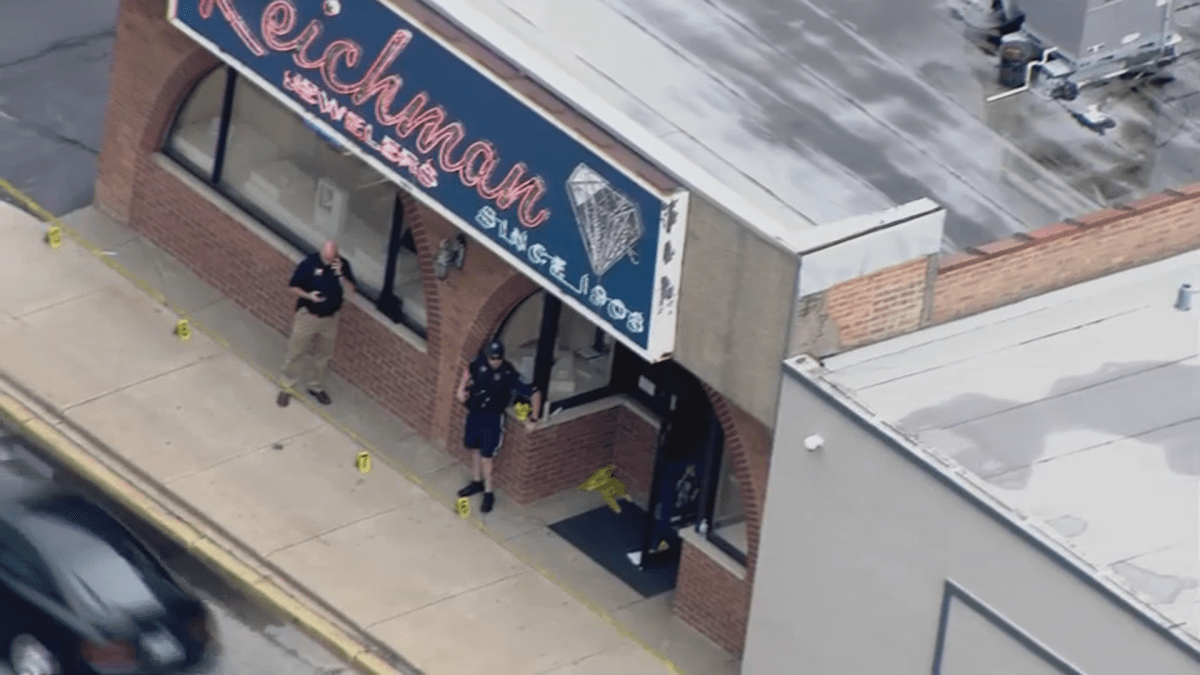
(690, 435)
(641, 546)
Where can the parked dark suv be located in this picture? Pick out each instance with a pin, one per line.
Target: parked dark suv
(80, 595)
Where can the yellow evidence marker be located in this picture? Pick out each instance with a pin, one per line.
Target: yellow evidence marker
(363, 462)
(54, 236)
(183, 329)
(462, 507)
(610, 487)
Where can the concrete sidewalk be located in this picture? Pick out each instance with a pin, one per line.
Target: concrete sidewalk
(385, 548)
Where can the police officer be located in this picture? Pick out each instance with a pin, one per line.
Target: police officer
(487, 387)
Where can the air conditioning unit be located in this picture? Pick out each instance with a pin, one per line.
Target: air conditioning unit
(1101, 39)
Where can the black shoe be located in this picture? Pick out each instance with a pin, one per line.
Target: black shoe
(282, 399)
(489, 500)
(472, 488)
(321, 397)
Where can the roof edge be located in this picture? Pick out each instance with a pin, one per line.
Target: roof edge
(796, 238)
(811, 373)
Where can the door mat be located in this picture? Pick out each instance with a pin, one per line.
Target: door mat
(607, 537)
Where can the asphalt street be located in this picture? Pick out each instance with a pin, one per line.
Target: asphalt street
(54, 73)
(253, 641)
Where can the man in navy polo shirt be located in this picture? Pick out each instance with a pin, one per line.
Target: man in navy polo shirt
(487, 387)
(320, 283)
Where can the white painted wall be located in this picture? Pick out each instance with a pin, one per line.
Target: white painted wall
(858, 542)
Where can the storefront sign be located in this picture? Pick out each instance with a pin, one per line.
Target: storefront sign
(604, 241)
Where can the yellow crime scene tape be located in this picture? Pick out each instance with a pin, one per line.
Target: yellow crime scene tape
(184, 328)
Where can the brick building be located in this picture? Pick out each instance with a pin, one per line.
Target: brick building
(653, 302)
(647, 299)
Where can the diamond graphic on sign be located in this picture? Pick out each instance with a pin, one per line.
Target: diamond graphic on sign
(608, 220)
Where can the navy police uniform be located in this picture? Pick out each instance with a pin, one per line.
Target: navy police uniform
(491, 391)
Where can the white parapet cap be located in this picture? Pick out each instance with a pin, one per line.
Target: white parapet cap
(800, 236)
(866, 244)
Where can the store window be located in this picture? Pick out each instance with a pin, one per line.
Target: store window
(727, 526)
(303, 185)
(198, 126)
(573, 365)
(520, 334)
(583, 357)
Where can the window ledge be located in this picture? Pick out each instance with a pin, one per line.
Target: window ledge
(701, 543)
(592, 407)
(250, 223)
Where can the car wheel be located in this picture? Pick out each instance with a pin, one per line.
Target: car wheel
(29, 656)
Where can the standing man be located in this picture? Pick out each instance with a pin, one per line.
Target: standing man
(320, 283)
(487, 387)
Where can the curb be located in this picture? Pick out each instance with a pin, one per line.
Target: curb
(41, 428)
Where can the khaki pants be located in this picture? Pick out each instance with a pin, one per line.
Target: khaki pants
(313, 335)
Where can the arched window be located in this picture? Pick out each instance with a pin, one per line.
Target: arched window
(573, 365)
(301, 184)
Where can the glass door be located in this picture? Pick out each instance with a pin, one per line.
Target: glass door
(688, 431)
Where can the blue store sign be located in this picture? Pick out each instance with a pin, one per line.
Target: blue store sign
(601, 239)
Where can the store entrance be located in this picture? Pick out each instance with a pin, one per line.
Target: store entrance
(689, 433)
(640, 545)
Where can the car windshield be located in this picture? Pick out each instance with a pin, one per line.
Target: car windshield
(92, 553)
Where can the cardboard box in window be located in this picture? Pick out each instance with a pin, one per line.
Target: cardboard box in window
(329, 207)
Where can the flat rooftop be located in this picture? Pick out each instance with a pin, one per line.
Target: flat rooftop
(815, 111)
(1078, 409)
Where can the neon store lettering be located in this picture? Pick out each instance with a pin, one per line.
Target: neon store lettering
(540, 257)
(476, 166)
(391, 149)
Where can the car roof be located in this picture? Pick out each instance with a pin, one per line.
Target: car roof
(79, 539)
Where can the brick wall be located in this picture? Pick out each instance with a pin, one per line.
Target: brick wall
(880, 305)
(921, 293)
(711, 599)
(633, 453)
(150, 62)
(707, 596)
(1067, 253)
(561, 456)
(534, 465)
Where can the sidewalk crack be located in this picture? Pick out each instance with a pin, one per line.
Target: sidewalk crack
(558, 667)
(156, 376)
(206, 305)
(449, 597)
(336, 528)
(251, 451)
(58, 303)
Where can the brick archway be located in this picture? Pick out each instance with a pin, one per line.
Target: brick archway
(415, 218)
(175, 91)
(142, 105)
(503, 300)
(491, 311)
(708, 597)
(746, 444)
